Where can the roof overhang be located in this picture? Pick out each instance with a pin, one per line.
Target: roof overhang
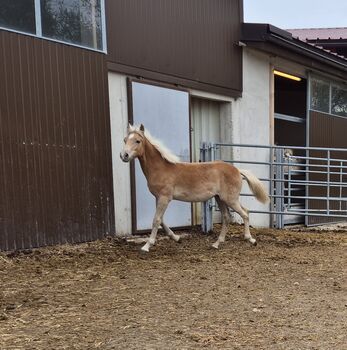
(278, 42)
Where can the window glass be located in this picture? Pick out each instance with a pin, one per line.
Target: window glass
(18, 15)
(74, 21)
(339, 101)
(320, 95)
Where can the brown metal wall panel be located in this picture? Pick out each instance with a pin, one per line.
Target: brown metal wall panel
(190, 43)
(326, 130)
(55, 145)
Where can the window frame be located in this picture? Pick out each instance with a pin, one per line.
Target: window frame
(38, 34)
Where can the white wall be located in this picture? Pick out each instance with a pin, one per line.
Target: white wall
(251, 123)
(121, 171)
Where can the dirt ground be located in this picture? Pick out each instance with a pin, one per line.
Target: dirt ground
(288, 292)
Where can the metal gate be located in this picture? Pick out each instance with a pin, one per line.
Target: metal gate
(293, 175)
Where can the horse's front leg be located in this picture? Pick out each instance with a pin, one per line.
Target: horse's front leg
(168, 230)
(170, 233)
(162, 204)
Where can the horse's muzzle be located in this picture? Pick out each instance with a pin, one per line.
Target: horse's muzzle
(124, 157)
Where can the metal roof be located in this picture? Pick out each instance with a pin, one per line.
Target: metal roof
(319, 33)
(281, 42)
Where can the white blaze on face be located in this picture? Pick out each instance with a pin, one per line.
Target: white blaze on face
(128, 152)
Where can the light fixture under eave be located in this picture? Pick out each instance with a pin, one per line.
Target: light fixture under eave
(285, 75)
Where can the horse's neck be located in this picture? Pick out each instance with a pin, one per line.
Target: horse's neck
(151, 161)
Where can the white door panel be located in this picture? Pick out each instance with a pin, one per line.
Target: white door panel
(206, 123)
(165, 113)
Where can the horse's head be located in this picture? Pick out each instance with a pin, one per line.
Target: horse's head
(133, 143)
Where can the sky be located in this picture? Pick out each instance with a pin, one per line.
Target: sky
(288, 14)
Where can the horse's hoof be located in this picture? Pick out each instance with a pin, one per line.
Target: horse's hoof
(178, 239)
(145, 249)
(251, 240)
(215, 245)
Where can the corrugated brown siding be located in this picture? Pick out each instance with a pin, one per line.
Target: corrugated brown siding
(55, 155)
(191, 43)
(326, 131)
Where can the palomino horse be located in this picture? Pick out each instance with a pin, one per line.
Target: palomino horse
(169, 179)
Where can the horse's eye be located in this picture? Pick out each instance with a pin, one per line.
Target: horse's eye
(125, 139)
(138, 141)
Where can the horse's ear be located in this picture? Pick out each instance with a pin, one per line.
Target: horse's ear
(130, 128)
(142, 128)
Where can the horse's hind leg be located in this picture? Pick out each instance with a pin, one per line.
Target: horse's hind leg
(170, 233)
(226, 218)
(243, 212)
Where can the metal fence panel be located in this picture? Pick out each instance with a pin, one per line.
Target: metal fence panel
(291, 178)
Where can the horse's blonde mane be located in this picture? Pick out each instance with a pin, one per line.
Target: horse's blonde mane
(158, 145)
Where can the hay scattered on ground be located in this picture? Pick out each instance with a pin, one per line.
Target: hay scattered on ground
(286, 293)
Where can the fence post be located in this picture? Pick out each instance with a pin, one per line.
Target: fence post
(279, 200)
(206, 150)
(328, 180)
(341, 191)
(289, 183)
(272, 187)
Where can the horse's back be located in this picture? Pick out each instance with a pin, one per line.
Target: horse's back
(217, 171)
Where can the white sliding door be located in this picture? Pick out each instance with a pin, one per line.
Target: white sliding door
(165, 113)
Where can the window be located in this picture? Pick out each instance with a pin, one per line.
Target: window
(328, 97)
(320, 91)
(339, 101)
(74, 21)
(18, 15)
(79, 22)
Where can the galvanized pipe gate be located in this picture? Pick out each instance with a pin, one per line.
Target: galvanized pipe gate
(306, 184)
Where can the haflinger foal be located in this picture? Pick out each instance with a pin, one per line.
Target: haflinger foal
(169, 179)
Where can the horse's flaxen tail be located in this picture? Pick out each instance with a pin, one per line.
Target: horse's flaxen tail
(256, 186)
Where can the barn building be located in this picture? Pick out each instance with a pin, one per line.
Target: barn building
(74, 73)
